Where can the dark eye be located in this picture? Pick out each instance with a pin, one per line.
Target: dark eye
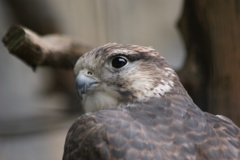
(119, 62)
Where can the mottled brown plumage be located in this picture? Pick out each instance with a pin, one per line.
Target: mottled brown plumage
(138, 109)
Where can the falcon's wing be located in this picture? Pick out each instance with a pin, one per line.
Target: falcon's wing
(154, 130)
(227, 132)
(109, 134)
(83, 138)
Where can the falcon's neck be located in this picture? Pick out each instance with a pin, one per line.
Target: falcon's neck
(114, 98)
(98, 101)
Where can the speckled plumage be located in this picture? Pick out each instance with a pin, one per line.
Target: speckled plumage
(143, 113)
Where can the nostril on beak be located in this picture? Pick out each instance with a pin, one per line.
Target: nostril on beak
(89, 73)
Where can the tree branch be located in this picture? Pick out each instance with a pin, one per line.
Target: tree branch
(56, 51)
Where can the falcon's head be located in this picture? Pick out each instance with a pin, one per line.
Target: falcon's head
(114, 75)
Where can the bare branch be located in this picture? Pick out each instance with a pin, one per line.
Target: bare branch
(55, 51)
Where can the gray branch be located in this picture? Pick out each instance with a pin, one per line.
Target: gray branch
(56, 51)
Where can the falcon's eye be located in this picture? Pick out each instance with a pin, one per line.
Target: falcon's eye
(119, 62)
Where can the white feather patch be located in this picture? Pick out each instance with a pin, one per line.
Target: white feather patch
(164, 87)
(98, 101)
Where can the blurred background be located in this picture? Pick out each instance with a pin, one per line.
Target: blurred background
(37, 108)
(34, 116)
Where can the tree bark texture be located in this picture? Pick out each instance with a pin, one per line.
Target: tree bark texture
(51, 50)
(211, 30)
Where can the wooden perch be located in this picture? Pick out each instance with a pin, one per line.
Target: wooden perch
(56, 51)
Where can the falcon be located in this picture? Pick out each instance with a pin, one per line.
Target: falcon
(137, 109)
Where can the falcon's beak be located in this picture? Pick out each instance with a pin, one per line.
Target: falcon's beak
(84, 84)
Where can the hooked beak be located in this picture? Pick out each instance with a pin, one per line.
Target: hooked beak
(84, 84)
